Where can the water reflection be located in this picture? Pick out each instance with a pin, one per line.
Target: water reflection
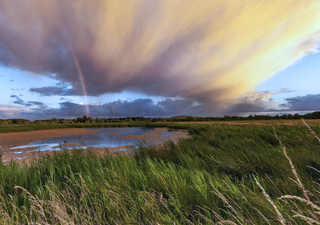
(107, 137)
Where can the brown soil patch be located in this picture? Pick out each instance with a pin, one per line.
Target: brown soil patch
(155, 133)
(142, 136)
(113, 135)
(26, 137)
(9, 140)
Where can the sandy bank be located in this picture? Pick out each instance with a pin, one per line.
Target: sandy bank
(9, 140)
(29, 136)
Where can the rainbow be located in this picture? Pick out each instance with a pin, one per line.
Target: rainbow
(82, 82)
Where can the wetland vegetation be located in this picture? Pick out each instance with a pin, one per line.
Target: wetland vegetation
(21, 125)
(212, 177)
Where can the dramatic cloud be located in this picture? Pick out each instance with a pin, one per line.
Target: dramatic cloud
(308, 102)
(138, 107)
(261, 102)
(19, 101)
(61, 90)
(208, 51)
(257, 101)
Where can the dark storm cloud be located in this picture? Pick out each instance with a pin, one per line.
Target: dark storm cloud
(19, 101)
(262, 102)
(198, 51)
(302, 103)
(60, 90)
(166, 108)
(35, 103)
(138, 107)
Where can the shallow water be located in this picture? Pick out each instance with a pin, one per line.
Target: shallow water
(101, 139)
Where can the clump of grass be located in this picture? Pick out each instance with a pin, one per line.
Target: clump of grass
(265, 194)
(311, 130)
(314, 218)
(296, 174)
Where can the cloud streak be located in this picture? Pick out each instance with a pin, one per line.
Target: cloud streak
(60, 90)
(19, 101)
(206, 51)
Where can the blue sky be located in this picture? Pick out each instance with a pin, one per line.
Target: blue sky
(303, 77)
(207, 59)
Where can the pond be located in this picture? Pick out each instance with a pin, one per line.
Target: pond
(105, 138)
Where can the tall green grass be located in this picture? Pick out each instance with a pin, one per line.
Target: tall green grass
(209, 178)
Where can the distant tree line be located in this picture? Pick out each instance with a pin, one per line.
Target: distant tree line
(85, 119)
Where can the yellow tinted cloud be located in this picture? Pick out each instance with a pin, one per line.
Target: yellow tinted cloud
(211, 51)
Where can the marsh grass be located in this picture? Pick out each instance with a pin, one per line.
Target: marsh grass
(34, 127)
(210, 178)
(312, 217)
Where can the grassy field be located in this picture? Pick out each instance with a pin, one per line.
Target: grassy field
(315, 122)
(34, 127)
(225, 173)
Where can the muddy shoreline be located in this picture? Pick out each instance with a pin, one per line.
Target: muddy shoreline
(11, 140)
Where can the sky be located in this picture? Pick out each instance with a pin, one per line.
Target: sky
(119, 58)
